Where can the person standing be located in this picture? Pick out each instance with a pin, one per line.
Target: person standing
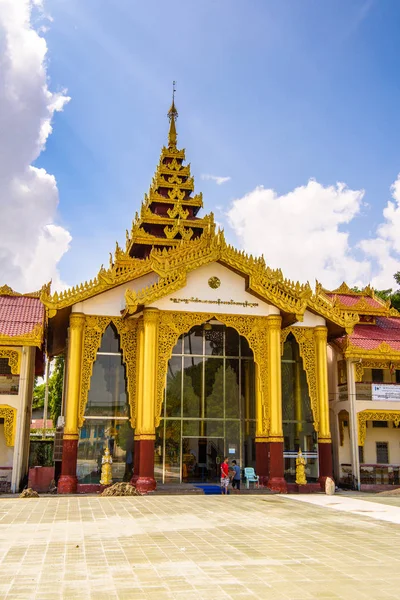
(225, 476)
(236, 476)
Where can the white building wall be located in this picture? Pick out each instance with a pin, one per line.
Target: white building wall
(112, 302)
(388, 434)
(17, 456)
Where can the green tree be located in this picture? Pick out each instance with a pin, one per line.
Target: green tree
(38, 395)
(56, 389)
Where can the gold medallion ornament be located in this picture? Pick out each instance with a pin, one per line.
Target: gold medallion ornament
(214, 282)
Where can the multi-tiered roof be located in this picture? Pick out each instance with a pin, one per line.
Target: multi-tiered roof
(169, 211)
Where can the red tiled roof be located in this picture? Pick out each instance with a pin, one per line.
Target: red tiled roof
(19, 315)
(347, 300)
(39, 423)
(369, 337)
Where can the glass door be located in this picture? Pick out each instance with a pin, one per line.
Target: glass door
(201, 459)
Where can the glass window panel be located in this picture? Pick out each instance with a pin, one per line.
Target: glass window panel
(245, 349)
(214, 388)
(298, 434)
(93, 437)
(178, 348)
(192, 428)
(231, 342)
(107, 395)
(232, 396)
(159, 452)
(232, 440)
(192, 386)
(5, 368)
(248, 389)
(214, 428)
(174, 387)
(288, 391)
(214, 340)
(377, 375)
(193, 341)
(172, 451)
(288, 349)
(110, 340)
(249, 444)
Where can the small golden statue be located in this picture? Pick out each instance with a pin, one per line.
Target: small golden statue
(106, 469)
(300, 469)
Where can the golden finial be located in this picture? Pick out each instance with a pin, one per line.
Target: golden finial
(172, 115)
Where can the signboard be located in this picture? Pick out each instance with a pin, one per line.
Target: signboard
(385, 392)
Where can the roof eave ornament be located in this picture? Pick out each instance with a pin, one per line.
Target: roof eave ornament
(172, 115)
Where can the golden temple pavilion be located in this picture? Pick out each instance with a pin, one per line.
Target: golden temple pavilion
(185, 350)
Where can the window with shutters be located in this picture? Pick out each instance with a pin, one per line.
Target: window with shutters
(382, 453)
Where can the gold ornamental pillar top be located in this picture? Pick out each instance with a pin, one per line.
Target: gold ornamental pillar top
(172, 115)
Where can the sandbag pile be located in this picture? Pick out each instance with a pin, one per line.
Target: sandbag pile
(29, 493)
(121, 489)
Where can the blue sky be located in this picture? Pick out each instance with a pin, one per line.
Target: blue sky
(269, 93)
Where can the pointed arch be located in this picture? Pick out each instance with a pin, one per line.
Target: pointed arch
(254, 329)
(94, 330)
(304, 336)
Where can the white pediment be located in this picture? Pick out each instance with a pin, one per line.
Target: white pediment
(112, 302)
(230, 297)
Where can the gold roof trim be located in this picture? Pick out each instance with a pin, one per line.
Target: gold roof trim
(382, 351)
(32, 338)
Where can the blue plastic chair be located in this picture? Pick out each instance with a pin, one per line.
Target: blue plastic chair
(250, 477)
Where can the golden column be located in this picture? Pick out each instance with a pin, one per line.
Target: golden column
(139, 398)
(276, 479)
(324, 433)
(147, 399)
(67, 483)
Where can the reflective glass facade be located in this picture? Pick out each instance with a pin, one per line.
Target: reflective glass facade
(209, 407)
(106, 416)
(298, 428)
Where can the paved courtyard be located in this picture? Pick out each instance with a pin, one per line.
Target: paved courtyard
(192, 547)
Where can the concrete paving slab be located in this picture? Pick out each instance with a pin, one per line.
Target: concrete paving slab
(269, 547)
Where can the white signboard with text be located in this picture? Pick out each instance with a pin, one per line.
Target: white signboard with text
(386, 392)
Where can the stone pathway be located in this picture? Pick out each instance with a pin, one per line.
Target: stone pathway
(379, 508)
(194, 547)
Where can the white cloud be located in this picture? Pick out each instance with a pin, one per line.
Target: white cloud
(301, 232)
(385, 247)
(31, 244)
(218, 180)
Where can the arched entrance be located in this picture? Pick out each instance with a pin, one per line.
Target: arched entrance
(209, 406)
(107, 415)
(297, 415)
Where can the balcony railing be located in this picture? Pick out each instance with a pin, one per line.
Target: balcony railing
(371, 474)
(370, 392)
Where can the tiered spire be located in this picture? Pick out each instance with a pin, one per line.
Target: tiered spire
(168, 214)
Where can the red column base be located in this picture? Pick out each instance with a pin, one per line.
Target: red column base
(262, 462)
(67, 484)
(276, 480)
(145, 481)
(325, 463)
(145, 484)
(277, 484)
